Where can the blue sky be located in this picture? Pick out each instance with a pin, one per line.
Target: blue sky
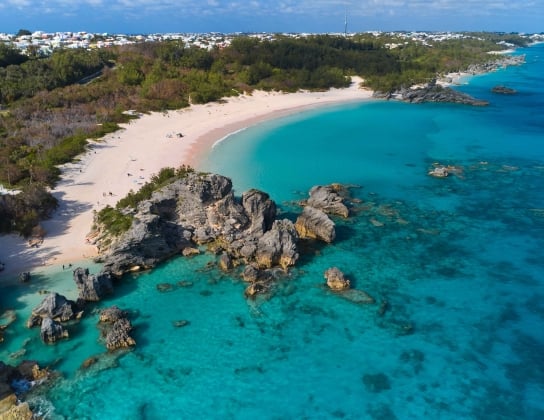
(151, 16)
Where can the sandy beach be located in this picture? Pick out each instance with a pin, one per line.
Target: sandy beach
(124, 160)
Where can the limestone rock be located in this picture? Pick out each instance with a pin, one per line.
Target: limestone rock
(278, 246)
(225, 262)
(260, 209)
(52, 331)
(436, 93)
(256, 288)
(315, 224)
(189, 251)
(56, 307)
(503, 90)
(92, 288)
(250, 273)
(327, 199)
(117, 329)
(118, 336)
(336, 280)
(111, 314)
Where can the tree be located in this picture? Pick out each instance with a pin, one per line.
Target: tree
(23, 32)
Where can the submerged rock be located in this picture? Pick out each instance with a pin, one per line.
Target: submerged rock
(378, 382)
(356, 296)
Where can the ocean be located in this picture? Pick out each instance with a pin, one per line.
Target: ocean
(455, 264)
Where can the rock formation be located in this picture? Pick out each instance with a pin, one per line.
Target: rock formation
(92, 287)
(436, 93)
(338, 283)
(503, 90)
(52, 331)
(336, 280)
(315, 224)
(328, 199)
(116, 328)
(118, 336)
(56, 307)
(18, 380)
(201, 209)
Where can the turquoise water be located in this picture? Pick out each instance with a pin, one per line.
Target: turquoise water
(459, 262)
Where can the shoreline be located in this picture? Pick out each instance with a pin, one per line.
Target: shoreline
(126, 159)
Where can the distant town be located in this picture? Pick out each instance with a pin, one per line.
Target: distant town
(44, 43)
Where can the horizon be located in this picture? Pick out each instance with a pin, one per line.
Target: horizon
(286, 16)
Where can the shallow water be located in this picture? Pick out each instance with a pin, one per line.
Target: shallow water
(457, 264)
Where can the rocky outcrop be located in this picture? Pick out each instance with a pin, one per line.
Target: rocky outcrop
(56, 307)
(260, 209)
(277, 247)
(329, 199)
(51, 331)
(315, 224)
(437, 93)
(503, 90)
(202, 209)
(92, 288)
(118, 336)
(18, 380)
(116, 328)
(111, 314)
(336, 280)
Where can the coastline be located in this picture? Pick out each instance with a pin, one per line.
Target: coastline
(126, 159)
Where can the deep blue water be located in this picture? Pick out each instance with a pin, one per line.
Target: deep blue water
(459, 262)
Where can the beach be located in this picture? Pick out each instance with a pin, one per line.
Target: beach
(125, 160)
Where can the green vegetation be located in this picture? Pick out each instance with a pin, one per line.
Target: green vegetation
(50, 106)
(119, 219)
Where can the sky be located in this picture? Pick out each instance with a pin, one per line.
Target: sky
(227, 16)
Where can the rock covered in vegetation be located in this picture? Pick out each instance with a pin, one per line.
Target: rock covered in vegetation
(92, 287)
(202, 209)
(55, 307)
